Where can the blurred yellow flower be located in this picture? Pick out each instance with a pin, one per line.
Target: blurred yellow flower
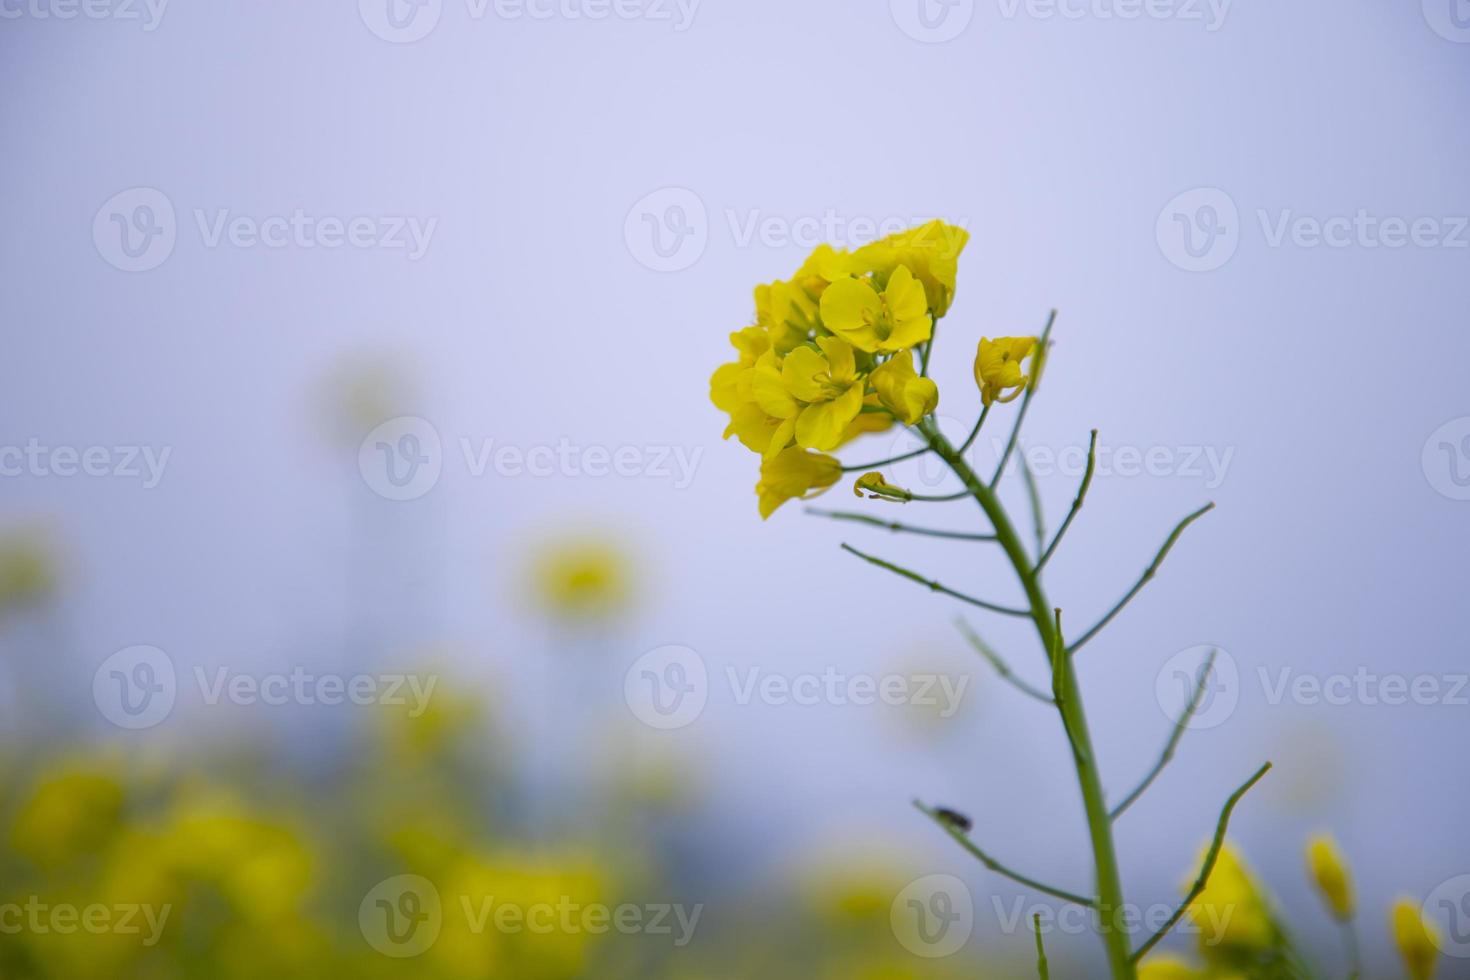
(1331, 876)
(1232, 913)
(1167, 967)
(584, 577)
(27, 570)
(72, 812)
(1415, 939)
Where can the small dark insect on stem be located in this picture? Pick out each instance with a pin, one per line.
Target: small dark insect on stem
(955, 819)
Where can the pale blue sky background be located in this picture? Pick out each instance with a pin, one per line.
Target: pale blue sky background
(529, 319)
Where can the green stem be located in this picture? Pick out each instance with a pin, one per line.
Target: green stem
(1042, 970)
(844, 515)
(885, 462)
(1109, 882)
(964, 841)
(998, 662)
(1211, 856)
(1174, 737)
(932, 585)
(1147, 577)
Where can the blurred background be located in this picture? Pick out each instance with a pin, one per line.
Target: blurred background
(359, 484)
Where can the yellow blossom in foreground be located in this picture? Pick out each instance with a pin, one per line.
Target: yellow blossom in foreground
(869, 420)
(998, 367)
(1330, 875)
(931, 252)
(895, 320)
(902, 391)
(787, 312)
(829, 386)
(794, 473)
(1414, 938)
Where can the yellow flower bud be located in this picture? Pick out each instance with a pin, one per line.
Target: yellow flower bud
(1330, 874)
(1415, 939)
(875, 487)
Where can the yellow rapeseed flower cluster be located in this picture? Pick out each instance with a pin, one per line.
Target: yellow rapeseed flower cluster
(831, 355)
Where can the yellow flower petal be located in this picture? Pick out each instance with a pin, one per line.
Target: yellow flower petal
(820, 426)
(794, 473)
(769, 391)
(851, 309)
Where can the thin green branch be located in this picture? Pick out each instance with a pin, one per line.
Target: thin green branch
(1037, 364)
(928, 347)
(1001, 667)
(885, 462)
(1179, 728)
(1038, 518)
(1076, 504)
(964, 841)
(979, 424)
(1211, 856)
(1148, 575)
(934, 586)
(847, 515)
(941, 499)
(1042, 970)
